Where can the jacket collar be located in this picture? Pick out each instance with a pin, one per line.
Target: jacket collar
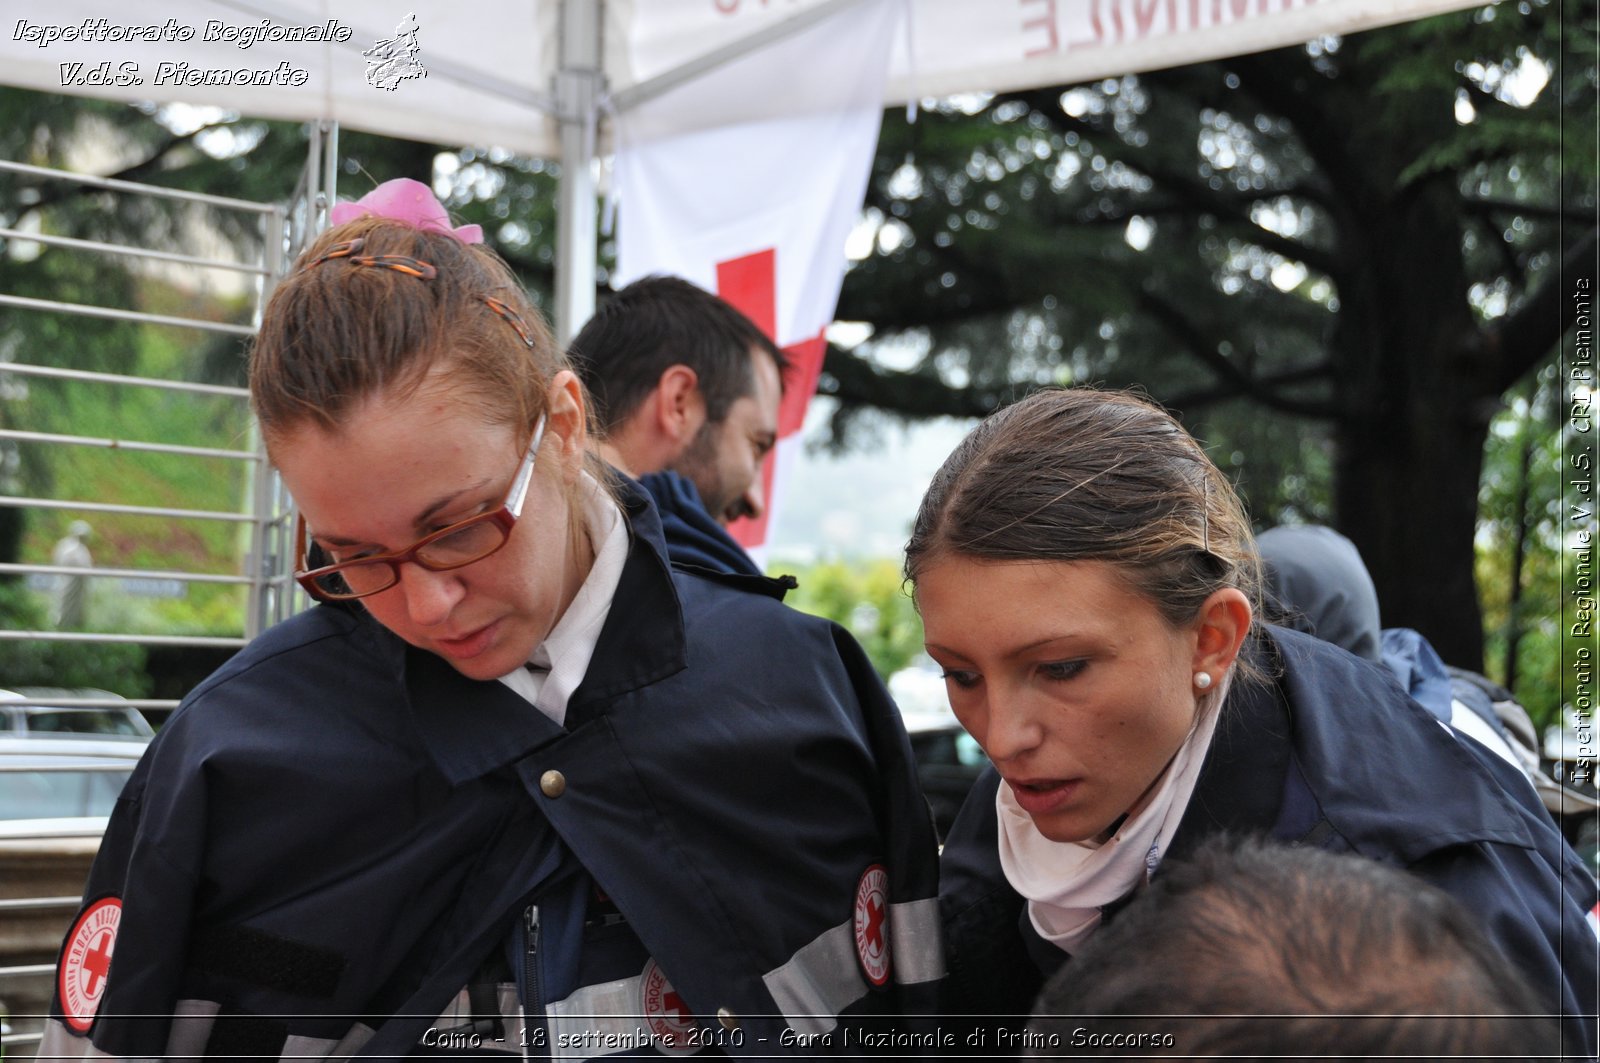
(471, 727)
(693, 536)
(1384, 774)
(643, 640)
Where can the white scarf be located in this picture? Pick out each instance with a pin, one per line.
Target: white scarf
(1067, 883)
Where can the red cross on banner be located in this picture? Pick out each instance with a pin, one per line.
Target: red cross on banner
(750, 283)
(760, 209)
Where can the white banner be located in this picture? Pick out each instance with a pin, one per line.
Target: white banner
(483, 73)
(759, 212)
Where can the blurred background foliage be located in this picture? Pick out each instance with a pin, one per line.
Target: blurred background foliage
(1336, 262)
(868, 597)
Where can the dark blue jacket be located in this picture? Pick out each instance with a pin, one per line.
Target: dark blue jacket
(1332, 754)
(694, 538)
(336, 833)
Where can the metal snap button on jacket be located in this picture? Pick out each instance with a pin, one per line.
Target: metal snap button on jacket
(553, 783)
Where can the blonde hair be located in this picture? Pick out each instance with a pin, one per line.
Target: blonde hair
(354, 320)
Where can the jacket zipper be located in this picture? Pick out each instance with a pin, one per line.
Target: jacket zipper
(536, 1036)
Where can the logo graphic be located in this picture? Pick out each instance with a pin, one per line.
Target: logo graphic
(394, 60)
(86, 960)
(872, 924)
(670, 1021)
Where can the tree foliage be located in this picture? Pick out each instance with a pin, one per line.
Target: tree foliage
(1521, 555)
(1333, 260)
(869, 599)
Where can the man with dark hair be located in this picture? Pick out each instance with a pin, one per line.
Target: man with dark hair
(684, 383)
(1255, 950)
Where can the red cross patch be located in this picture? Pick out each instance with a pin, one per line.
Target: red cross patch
(670, 1021)
(86, 960)
(872, 924)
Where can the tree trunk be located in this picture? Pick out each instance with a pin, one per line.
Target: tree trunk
(1519, 547)
(1410, 448)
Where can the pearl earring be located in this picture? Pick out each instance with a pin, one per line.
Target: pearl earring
(1202, 680)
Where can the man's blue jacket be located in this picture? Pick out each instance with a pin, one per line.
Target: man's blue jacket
(694, 538)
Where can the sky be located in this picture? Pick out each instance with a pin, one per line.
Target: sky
(861, 504)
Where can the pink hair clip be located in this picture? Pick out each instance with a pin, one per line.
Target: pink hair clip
(405, 200)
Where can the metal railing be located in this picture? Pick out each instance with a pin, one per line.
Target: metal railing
(59, 851)
(263, 514)
(257, 569)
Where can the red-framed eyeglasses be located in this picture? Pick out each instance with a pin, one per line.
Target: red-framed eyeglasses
(456, 546)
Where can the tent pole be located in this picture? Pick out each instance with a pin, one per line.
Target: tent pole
(579, 83)
(644, 91)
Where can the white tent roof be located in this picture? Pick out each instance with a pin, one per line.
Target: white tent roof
(492, 66)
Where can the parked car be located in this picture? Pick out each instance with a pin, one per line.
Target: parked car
(61, 787)
(26, 711)
(949, 760)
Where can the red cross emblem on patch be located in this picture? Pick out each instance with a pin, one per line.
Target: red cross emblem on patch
(86, 960)
(872, 924)
(670, 1021)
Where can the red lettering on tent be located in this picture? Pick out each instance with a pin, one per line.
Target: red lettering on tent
(1144, 15)
(1045, 21)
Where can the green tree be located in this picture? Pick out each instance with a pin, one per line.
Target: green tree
(1520, 555)
(1333, 259)
(867, 598)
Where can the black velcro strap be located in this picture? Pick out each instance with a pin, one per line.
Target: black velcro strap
(772, 586)
(267, 960)
(246, 1038)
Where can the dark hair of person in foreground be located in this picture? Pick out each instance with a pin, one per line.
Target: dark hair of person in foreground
(1256, 950)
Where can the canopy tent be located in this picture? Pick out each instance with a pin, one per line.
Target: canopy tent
(542, 77)
(495, 71)
(743, 129)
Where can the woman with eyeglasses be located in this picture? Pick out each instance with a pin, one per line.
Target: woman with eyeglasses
(1088, 582)
(514, 785)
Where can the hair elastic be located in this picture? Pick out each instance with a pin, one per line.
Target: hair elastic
(411, 267)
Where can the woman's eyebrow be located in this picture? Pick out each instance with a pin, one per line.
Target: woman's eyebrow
(445, 501)
(1065, 636)
(421, 518)
(1017, 651)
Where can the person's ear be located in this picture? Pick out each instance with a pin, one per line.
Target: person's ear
(1220, 631)
(679, 406)
(567, 421)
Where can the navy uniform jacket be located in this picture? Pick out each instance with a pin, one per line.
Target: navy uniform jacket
(1331, 754)
(336, 832)
(694, 538)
